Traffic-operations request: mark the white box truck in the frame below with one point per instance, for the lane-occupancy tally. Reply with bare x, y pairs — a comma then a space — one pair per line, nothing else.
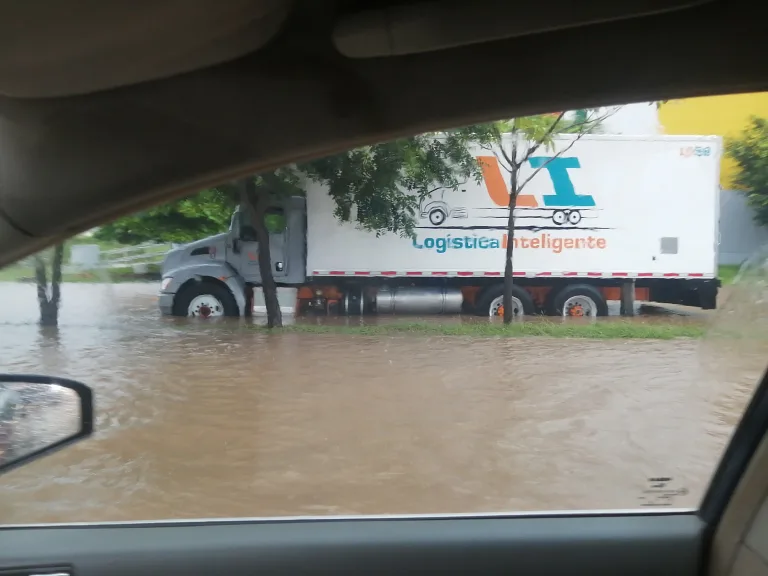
609, 210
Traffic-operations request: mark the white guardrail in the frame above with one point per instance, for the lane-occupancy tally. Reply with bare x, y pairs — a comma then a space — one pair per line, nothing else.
139, 257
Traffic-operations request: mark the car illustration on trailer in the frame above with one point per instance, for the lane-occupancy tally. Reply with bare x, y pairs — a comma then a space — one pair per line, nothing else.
438, 212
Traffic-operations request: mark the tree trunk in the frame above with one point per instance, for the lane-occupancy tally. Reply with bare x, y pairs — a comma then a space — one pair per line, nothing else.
49, 305
58, 260
258, 202
508, 265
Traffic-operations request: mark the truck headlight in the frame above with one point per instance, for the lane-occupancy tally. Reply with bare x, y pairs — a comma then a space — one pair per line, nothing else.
166, 282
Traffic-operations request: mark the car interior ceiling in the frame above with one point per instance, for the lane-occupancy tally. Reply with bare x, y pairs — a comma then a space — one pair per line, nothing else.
108, 108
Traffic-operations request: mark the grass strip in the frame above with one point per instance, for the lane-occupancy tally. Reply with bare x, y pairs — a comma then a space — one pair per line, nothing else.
598, 330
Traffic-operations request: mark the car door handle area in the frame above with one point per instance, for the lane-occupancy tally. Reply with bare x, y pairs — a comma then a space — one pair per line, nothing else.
633, 545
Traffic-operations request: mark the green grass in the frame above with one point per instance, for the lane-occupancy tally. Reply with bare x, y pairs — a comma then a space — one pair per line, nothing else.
622, 329
727, 273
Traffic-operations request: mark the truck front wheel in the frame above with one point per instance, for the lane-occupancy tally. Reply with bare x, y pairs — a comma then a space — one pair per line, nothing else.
205, 299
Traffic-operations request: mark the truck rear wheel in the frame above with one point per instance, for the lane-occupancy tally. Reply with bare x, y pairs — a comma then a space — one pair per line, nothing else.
205, 300
491, 301
578, 300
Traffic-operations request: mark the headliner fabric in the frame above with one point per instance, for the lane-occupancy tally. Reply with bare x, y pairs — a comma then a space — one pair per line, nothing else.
60, 48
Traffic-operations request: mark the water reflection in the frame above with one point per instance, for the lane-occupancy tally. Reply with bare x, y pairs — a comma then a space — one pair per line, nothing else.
201, 420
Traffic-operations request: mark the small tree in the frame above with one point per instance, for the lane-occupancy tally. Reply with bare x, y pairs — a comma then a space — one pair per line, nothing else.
750, 151
527, 136
49, 297
257, 194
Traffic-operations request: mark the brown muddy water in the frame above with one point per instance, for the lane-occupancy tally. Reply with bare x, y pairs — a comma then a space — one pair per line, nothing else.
197, 421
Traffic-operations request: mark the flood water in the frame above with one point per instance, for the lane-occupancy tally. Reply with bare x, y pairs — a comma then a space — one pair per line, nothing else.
200, 421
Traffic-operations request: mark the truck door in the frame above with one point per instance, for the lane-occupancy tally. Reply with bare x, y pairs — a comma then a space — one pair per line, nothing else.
248, 247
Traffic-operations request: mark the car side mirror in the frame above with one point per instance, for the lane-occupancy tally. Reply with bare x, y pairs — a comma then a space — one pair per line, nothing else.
40, 415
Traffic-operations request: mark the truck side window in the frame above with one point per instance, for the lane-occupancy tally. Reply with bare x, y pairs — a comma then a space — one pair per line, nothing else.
241, 227
247, 233
275, 220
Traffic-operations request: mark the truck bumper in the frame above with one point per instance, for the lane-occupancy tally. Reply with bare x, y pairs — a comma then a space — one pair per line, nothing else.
165, 303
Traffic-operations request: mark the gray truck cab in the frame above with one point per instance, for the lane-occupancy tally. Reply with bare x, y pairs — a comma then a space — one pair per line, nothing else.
215, 276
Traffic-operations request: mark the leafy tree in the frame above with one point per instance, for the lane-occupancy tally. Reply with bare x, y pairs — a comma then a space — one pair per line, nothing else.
49, 297
750, 151
185, 220
257, 195
528, 136
381, 187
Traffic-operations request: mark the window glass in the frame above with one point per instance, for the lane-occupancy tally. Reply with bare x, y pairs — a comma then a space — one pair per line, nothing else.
275, 220
395, 386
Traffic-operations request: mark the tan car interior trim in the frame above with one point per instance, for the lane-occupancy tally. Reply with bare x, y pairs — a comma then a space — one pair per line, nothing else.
429, 26
745, 518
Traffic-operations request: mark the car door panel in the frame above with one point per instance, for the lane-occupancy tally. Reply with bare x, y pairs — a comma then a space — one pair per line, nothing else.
249, 258
736, 504
635, 544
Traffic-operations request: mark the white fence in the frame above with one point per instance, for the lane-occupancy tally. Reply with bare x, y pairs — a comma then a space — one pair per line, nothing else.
140, 257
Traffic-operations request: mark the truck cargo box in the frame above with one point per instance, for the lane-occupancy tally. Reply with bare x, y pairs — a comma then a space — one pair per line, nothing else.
610, 206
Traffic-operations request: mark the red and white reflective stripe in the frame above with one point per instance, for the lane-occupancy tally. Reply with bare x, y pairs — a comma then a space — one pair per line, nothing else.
542, 274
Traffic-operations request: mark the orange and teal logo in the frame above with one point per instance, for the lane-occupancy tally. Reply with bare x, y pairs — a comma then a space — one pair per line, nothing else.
482, 227
564, 196
691, 151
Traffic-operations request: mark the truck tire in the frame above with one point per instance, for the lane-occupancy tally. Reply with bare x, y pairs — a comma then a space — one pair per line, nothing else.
490, 299
577, 300
206, 299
